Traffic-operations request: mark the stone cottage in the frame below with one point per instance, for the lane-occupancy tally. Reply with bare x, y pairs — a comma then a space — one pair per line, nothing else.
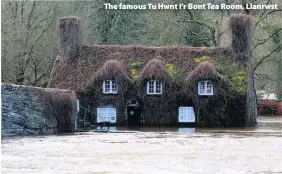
159, 86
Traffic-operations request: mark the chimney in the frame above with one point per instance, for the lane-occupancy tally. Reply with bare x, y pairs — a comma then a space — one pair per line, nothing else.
70, 36
241, 36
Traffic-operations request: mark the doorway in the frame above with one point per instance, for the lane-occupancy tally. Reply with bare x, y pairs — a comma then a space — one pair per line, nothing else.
134, 116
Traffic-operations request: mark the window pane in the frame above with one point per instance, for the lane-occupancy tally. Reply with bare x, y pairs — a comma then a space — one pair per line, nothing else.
102, 115
107, 86
154, 87
158, 90
112, 115
114, 86
158, 83
110, 86
209, 87
106, 114
202, 88
186, 114
151, 87
158, 87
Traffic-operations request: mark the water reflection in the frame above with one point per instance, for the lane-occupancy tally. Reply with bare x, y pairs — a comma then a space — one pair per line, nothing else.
111, 128
186, 130
265, 124
147, 129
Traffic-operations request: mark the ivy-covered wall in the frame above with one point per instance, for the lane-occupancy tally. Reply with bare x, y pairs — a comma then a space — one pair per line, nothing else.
26, 110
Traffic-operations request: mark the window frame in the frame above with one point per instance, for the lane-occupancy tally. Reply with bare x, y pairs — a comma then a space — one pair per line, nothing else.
100, 117
111, 83
154, 87
203, 91
186, 110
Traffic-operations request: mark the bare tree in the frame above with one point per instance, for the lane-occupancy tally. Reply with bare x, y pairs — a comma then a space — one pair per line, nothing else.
24, 24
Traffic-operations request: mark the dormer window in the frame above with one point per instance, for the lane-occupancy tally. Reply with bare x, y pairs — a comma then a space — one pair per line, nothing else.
205, 88
110, 87
154, 87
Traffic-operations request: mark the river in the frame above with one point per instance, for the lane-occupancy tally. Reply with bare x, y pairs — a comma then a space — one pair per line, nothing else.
150, 150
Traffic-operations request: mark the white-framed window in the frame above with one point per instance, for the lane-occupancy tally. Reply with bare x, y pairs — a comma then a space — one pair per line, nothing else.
186, 115
154, 87
205, 87
106, 115
110, 87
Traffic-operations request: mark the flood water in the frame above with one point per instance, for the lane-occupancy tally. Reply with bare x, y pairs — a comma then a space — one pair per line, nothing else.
150, 150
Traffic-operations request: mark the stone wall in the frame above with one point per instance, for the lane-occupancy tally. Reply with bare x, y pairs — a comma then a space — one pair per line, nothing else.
25, 110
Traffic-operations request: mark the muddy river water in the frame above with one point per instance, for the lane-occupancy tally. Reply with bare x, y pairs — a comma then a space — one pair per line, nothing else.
167, 150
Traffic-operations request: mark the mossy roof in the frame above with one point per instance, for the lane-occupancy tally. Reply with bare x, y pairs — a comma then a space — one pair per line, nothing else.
76, 73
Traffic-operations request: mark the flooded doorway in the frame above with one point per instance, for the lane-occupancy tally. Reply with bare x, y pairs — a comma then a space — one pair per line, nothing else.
134, 113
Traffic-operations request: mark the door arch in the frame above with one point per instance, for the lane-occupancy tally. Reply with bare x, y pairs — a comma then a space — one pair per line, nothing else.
134, 113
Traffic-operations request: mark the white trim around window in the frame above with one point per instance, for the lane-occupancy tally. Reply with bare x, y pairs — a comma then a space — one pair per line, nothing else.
110, 87
106, 115
154, 87
205, 87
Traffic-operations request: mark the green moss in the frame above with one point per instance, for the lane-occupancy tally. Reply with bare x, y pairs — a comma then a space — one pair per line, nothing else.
237, 76
135, 68
115, 55
134, 73
220, 69
136, 65
171, 69
234, 64
202, 59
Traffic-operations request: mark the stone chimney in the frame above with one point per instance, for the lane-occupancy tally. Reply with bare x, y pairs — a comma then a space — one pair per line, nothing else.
70, 36
241, 29
241, 36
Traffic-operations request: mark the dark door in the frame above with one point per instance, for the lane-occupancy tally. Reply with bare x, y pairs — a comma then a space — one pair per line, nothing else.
134, 115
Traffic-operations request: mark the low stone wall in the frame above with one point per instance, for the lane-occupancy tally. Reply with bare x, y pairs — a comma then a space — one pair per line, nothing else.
25, 110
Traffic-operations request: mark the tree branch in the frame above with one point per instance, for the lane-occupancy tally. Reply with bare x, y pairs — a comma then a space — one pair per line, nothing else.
31, 14
265, 57
211, 29
263, 17
265, 40
38, 38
